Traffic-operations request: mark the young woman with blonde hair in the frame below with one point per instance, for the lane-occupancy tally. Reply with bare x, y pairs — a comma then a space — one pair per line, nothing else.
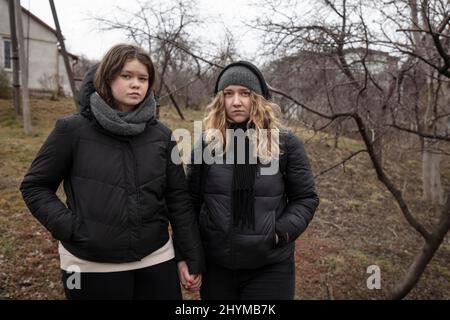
249, 215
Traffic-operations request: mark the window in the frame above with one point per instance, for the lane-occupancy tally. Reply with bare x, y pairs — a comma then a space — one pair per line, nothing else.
7, 54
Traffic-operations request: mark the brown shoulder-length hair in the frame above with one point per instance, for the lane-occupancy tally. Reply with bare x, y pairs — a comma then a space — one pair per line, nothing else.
113, 63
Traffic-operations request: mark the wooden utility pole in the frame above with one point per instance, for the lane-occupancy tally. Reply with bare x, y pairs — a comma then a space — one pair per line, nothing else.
64, 53
24, 70
15, 57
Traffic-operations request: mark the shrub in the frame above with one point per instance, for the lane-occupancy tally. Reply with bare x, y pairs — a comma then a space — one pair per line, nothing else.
5, 86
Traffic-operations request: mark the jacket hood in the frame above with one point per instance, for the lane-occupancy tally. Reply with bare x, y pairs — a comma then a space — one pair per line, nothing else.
87, 88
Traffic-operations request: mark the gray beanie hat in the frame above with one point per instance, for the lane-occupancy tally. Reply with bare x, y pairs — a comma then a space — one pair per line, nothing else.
242, 76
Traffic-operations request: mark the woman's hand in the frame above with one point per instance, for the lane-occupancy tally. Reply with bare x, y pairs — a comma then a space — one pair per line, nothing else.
190, 282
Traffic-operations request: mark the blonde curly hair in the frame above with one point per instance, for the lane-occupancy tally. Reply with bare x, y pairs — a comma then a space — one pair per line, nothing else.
264, 118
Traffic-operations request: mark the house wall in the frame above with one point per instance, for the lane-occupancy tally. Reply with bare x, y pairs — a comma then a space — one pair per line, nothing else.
46, 67
63, 77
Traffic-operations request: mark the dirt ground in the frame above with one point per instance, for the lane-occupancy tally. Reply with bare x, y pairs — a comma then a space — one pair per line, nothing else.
357, 225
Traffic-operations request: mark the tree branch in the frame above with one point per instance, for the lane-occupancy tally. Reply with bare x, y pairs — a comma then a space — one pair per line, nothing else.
340, 163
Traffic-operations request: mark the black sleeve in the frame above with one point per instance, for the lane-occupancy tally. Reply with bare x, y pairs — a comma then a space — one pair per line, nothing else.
194, 179
186, 234
300, 191
39, 186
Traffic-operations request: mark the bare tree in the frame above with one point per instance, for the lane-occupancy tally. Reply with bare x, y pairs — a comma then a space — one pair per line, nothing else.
423, 35
164, 30
340, 39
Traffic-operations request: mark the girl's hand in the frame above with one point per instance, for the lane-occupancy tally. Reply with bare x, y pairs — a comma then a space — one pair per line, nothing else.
190, 282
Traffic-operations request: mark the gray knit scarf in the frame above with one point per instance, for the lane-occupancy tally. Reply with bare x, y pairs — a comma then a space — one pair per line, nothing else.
123, 123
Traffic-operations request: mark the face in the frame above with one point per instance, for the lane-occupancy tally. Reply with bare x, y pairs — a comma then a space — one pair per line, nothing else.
237, 103
130, 86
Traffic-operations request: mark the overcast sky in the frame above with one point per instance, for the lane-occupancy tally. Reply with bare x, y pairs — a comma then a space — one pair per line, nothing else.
82, 37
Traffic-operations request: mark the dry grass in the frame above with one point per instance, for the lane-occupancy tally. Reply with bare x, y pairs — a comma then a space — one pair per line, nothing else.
357, 224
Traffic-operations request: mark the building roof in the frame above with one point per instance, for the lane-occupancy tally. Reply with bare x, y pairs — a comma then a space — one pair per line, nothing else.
46, 26
42, 23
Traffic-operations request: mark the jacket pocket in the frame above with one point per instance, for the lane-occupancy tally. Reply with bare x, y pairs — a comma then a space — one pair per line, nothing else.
252, 251
79, 234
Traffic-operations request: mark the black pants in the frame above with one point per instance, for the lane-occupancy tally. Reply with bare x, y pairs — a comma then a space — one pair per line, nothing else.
158, 282
272, 282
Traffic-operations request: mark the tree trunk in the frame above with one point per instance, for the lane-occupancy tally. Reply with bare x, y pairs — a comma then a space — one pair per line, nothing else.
337, 134
24, 70
15, 56
424, 257
377, 140
172, 98
431, 157
431, 173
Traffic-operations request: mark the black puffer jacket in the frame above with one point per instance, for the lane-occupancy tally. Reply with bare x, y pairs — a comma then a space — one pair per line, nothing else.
121, 191
284, 204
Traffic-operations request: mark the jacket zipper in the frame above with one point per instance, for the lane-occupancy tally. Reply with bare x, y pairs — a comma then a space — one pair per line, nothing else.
135, 186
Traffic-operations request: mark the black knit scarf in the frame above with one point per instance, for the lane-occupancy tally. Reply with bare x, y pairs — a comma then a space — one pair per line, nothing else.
243, 198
